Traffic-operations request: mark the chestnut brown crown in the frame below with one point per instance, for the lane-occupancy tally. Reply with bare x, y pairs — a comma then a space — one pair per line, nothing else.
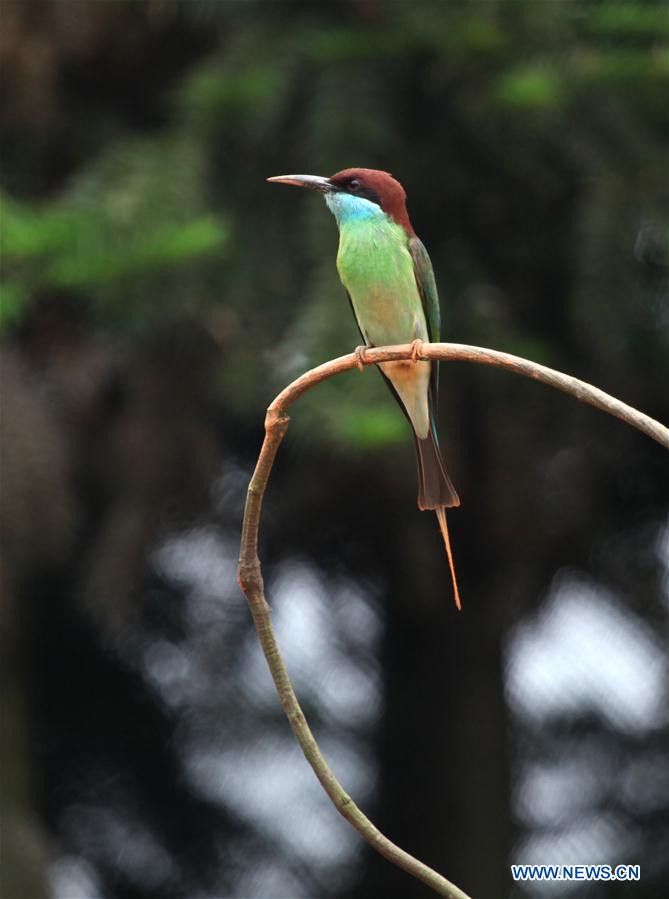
378, 187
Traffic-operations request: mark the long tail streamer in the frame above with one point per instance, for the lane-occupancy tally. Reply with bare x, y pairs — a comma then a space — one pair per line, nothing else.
441, 517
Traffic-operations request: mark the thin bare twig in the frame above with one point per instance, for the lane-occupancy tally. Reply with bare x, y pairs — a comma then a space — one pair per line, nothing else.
250, 575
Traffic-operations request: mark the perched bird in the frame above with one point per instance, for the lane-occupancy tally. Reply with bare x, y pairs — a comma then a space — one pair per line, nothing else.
388, 277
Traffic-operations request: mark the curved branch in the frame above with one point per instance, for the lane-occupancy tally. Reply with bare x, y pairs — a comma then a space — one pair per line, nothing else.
460, 352
250, 575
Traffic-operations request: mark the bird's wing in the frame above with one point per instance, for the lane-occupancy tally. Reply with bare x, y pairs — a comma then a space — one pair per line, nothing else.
427, 288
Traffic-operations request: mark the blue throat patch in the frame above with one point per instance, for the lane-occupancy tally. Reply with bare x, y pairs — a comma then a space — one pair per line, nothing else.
347, 208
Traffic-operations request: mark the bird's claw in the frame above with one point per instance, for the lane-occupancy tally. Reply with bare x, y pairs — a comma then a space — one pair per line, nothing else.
416, 350
360, 354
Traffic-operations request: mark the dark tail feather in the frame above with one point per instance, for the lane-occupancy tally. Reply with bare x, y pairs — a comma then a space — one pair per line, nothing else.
436, 491
434, 485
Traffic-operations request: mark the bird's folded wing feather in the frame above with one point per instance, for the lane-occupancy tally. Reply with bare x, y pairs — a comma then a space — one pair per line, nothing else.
427, 288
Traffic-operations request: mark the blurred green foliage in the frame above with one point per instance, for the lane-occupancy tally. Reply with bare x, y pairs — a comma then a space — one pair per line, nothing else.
529, 137
117, 233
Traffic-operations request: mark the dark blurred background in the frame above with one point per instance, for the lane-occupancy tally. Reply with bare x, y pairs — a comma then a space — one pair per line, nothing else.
157, 294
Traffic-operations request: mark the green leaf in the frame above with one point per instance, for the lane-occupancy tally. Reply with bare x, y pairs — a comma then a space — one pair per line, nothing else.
532, 87
13, 298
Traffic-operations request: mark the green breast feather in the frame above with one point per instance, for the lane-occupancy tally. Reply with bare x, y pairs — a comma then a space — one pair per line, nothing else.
377, 269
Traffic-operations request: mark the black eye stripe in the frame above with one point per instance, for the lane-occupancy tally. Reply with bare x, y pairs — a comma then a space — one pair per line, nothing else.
369, 194
356, 187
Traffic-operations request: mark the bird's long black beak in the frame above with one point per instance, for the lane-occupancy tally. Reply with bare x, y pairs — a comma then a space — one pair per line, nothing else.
313, 182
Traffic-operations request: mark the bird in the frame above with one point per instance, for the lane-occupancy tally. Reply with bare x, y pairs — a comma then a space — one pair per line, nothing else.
388, 277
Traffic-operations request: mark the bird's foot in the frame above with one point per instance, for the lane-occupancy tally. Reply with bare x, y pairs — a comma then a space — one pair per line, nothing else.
360, 356
416, 350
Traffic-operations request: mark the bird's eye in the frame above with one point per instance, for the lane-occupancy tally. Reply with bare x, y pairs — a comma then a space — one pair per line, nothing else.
354, 184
